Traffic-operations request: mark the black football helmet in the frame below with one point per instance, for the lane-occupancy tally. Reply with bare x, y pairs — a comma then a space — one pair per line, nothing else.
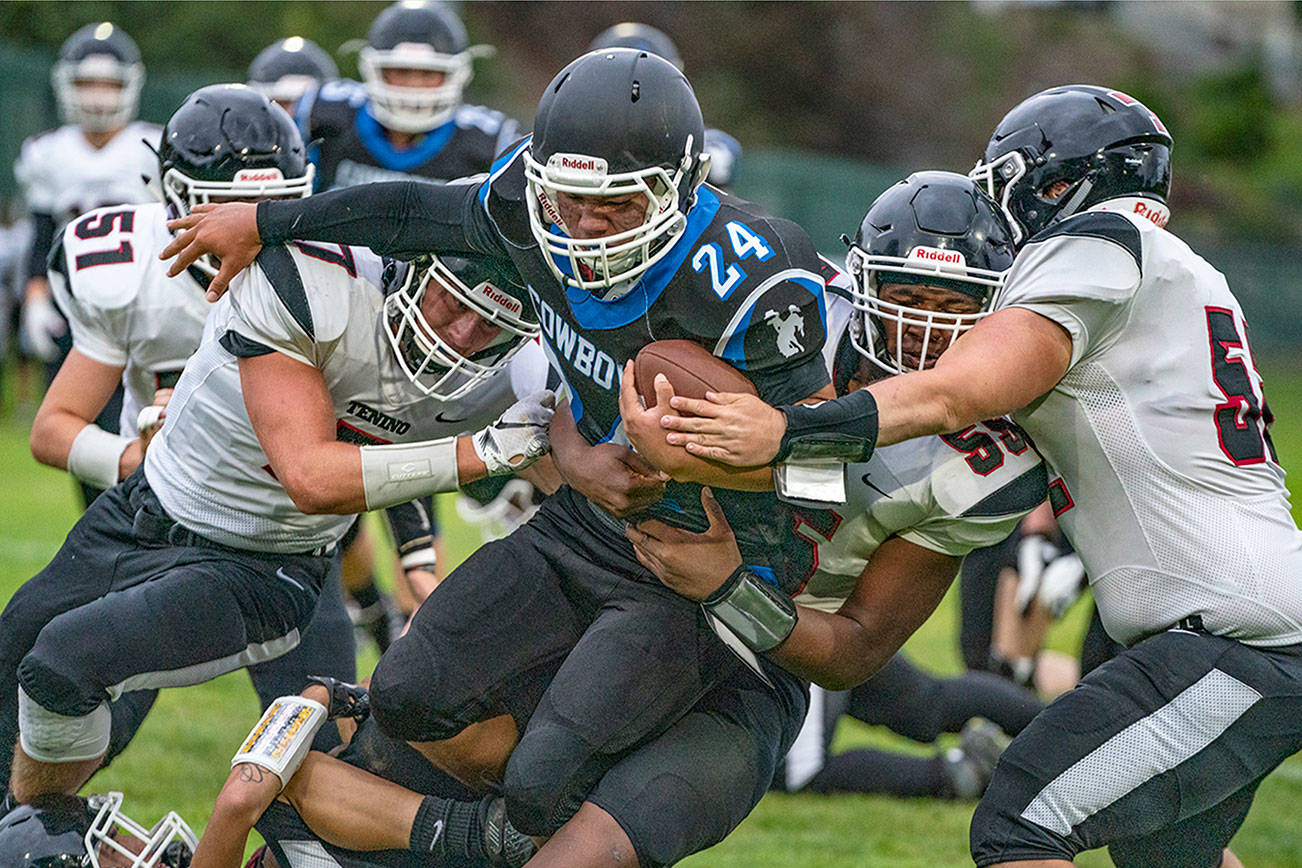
614, 122
416, 34
642, 37
99, 52
284, 70
72, 832
229, 141
488, 287
935, 229
1104, 144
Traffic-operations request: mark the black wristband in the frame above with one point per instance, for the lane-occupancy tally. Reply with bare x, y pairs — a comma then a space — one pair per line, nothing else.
843, 429
759, 614
346, 700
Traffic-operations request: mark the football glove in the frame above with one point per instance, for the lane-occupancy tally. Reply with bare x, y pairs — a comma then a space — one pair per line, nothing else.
519, 437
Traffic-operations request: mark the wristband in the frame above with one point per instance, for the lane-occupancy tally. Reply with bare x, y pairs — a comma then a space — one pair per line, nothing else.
94, 456
279, 742
761, 615
405, 471
346, 700
422, 558
843, 429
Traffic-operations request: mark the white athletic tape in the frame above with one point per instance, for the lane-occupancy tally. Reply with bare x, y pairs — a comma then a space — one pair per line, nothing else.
281, 739
149, 417
57, 738
94, 456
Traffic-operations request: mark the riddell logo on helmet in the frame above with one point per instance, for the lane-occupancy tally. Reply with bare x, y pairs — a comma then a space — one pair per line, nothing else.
935, 254
496, 298
253, 176
577, 163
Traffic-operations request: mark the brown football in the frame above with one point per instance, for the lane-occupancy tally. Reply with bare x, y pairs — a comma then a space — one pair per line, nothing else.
691, 370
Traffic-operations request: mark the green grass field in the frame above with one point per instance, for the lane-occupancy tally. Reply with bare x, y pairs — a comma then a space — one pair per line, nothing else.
181, 756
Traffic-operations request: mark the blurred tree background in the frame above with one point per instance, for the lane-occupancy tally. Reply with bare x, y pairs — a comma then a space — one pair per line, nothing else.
830, 100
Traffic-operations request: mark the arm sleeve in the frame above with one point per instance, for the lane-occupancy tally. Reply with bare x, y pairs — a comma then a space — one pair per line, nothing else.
42, 241
404, 219
1084, 284
413, 524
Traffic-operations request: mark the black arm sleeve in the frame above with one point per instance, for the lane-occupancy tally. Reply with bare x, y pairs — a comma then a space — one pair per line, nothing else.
414, 525
403, 219
42, 241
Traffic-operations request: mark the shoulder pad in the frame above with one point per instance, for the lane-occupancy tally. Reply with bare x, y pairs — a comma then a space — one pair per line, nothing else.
987, 470
1105, 225
315, 281
487, 120
341, 90
107, 253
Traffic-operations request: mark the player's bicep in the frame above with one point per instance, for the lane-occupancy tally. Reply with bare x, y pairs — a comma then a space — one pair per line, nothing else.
289, 406
82, 387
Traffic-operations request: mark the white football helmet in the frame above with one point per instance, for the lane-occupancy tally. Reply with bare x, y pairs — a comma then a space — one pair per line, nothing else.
98, 53
429, 360
113, 831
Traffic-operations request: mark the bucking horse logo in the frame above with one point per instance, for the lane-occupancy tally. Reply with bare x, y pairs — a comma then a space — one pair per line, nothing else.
790, 326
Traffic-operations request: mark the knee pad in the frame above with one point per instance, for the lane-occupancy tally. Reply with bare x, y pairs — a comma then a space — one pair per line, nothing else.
56, 738
542, 787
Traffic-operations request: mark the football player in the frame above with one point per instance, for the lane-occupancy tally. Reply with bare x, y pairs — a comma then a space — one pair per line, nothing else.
925, 265
615, 684
288, 68
133, 324
1136, 379
101, 156
91, 831
406, 118
723, 149
298, 411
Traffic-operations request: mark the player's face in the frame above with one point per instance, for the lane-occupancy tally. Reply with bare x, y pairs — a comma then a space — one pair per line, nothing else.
599, 216
461, 327
912, 338
426, 78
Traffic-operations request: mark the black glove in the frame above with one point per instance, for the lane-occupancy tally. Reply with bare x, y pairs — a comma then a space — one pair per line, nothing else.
346, 700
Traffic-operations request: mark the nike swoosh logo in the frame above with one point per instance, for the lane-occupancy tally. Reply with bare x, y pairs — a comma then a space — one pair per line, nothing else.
868, 482
514, 425
438, 417
281, 574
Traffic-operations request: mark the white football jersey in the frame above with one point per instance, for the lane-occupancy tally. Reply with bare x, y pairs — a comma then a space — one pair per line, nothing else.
61, 174
321, 305
1168, 485
949, 494
121, 306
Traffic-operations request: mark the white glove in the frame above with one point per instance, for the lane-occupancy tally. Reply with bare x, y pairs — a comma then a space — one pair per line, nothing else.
1034, 552
39, 324
1061, 584
519, 437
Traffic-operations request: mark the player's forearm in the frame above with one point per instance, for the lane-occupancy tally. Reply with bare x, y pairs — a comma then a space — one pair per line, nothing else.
55, 430
835, 651
685, 467
400, 218
330, 478
248, 792
351, 808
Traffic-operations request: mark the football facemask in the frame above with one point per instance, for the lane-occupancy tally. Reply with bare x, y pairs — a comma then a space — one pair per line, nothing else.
431, 362
169, 843
250, 185
875, 318
99, 92
607, 266
416, 109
